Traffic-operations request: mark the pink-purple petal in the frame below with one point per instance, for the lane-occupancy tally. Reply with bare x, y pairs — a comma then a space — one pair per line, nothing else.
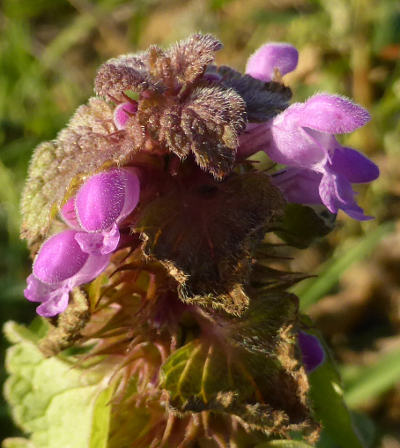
36, 290
270, 57
59, 258
55, 304
100, 243
336, 193
95, 265
299, 185
68, 214
333, 114
132, 192
123, 112
293, 145
106, 198
312, 351
256, 137
353, 165
54, 298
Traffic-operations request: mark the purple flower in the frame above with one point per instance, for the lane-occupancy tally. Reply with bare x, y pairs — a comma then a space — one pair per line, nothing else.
270, 58
60, 266
123, 112
77, 256
320, 170
298, 185
312, 351
302, 134
102, 202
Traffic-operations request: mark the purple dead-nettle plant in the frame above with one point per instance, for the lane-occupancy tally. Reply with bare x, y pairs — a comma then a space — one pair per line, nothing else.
151, 232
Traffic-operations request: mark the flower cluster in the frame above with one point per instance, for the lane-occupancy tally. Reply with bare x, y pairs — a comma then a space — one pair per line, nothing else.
81, 253
319, 169
193, 310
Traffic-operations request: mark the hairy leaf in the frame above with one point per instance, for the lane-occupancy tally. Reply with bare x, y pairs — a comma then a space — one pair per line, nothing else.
301, 225
204, 233
57, 404
84, 147
206, 123
190, 57
257, 379
37, 198
124, 73
266, 323
211, 120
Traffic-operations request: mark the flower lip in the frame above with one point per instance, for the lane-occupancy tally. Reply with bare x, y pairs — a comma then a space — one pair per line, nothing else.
54, 297
99, 243
353, 165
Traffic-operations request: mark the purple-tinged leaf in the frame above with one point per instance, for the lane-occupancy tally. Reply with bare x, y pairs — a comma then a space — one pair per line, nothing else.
263, 100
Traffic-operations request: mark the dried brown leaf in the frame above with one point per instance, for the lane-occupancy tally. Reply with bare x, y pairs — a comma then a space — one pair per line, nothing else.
204, 233
190, 57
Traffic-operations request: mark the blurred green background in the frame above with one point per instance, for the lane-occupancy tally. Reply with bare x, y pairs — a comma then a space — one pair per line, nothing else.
49, 53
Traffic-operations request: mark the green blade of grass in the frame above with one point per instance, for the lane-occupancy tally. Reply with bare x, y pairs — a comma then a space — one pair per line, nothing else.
374, 380
314, 289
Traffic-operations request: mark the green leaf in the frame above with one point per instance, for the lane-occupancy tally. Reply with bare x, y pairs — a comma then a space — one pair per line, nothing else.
327, 397
205, 376
310, 291
17, 442
196, 373
55, 402
246, 367
365, 428
301, 225
284, 444
374, 380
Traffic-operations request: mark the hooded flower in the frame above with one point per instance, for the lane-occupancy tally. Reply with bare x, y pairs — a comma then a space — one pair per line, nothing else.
312, 351
60, 266
302, 138
272, 58
122, 113
320, 170
77, 256
101, 204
